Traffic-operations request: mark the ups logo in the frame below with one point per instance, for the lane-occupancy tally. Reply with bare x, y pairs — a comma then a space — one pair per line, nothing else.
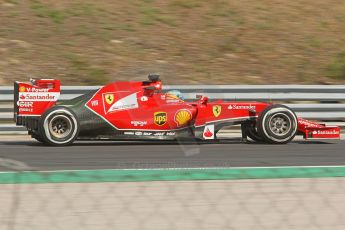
160, 118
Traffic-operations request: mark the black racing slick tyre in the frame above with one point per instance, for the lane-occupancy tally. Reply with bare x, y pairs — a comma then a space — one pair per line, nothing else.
253, 134
277, 124
38, 138
59, 126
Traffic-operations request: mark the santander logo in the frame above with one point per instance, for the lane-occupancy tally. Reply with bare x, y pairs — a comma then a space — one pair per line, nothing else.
326, 132
51, 96
208, 133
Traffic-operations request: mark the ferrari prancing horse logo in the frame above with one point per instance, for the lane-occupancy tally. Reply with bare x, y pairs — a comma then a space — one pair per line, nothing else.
217, 109
109, 98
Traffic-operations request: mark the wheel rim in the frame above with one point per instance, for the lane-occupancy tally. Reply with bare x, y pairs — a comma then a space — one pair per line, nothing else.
60, 126
280, 124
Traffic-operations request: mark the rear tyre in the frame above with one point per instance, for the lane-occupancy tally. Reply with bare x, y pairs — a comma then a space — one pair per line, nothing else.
59, 126
277, 124
38, 138
253, 133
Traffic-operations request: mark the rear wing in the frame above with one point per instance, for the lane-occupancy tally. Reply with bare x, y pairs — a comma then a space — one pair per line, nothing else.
32, 99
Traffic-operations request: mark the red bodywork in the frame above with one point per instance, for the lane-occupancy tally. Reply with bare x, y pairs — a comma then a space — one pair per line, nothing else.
144, 105
34, 98
313, 130
138, 107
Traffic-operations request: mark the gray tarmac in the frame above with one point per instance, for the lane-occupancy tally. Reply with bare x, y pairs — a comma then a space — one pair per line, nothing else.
83, 155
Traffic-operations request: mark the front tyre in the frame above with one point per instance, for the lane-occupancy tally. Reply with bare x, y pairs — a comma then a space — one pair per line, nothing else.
277, 124
59, 126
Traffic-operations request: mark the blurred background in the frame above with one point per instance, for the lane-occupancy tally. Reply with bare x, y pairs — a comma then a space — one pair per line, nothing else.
186, 41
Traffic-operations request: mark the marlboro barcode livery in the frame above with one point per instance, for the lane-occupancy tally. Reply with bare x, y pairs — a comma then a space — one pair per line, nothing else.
141, 110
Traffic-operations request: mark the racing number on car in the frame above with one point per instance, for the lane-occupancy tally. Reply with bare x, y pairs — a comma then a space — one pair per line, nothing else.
160, 118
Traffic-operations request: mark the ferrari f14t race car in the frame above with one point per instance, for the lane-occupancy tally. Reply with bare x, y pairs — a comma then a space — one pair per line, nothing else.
141, 110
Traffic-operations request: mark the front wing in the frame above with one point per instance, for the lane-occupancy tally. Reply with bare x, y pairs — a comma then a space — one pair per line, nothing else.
313, 130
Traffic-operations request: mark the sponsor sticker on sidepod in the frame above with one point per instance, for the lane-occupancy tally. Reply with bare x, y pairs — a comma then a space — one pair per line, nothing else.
208, 133
142, 133
139, 123
128, 102
160, 118
237, 107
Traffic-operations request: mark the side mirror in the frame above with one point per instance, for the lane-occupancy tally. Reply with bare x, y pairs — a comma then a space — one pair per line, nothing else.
202, 99
151, 88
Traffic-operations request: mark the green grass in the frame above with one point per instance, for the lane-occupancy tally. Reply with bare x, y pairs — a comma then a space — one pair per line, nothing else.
83, 30
149, 15
83, 9
166, 19
274, 39
264, 26
16, 2
336, 69
60, 15
81, 67
188, 4
229, 44
42, 10
152, 15
314, 42
125, 27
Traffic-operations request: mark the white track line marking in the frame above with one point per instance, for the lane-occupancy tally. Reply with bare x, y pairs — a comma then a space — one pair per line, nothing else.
205, 168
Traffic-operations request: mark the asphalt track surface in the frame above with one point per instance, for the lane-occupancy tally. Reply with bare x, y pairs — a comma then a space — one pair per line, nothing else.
232, 152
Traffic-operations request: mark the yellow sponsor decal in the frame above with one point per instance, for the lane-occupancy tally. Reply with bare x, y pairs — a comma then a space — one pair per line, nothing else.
160, 118
182, 117
217, 110
22, 89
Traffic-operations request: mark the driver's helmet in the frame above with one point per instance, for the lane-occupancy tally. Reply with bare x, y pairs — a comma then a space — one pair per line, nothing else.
174, 94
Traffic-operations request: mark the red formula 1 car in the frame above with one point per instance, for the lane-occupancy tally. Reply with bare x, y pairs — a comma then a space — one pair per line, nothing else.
140, 110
